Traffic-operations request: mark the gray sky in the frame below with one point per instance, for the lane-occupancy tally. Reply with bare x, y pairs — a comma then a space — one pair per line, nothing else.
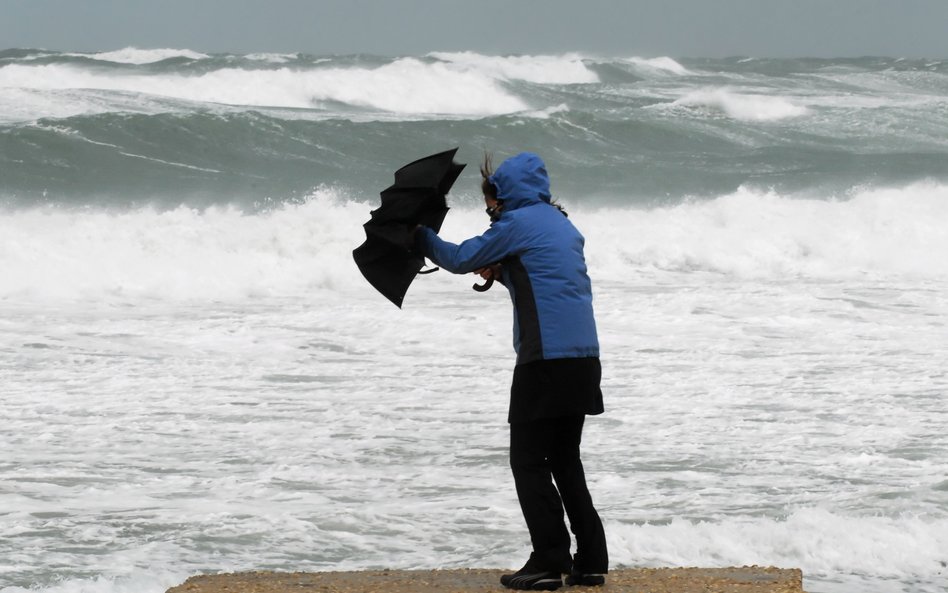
676, 28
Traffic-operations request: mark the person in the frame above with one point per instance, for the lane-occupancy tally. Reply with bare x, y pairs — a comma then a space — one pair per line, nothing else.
533, 249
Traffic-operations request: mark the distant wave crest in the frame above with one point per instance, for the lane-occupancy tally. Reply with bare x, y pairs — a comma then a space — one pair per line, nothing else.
565, 69
743, 106
407, 86
134, 55
662, 64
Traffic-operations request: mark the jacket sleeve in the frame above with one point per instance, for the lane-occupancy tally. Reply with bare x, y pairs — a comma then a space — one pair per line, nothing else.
475, 253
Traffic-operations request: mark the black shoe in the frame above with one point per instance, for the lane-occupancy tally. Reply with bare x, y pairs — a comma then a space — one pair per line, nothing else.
529, 579
585, 580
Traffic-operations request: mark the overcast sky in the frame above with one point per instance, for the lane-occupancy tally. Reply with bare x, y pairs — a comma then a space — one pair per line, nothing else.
676, 28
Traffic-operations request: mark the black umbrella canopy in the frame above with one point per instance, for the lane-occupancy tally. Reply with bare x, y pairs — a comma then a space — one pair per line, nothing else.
386, 258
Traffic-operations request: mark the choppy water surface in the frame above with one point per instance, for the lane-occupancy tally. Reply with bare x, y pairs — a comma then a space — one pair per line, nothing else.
173, 126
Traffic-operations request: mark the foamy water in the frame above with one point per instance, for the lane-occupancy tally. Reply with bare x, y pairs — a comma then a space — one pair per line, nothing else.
224, 253
191, 391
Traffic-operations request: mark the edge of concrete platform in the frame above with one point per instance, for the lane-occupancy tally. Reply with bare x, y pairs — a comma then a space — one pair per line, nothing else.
744, 579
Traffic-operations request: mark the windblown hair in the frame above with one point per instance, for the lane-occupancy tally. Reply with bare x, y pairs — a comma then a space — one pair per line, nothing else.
490, 190
559, 207
487, 169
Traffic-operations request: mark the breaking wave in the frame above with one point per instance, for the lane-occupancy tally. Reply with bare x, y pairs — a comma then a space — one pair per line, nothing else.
133, 55
565, 69
663, 64
743, 106
407, 86
223, 253
760, 234
824, 544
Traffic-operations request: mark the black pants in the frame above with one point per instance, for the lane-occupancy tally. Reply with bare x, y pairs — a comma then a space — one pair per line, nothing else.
542, 451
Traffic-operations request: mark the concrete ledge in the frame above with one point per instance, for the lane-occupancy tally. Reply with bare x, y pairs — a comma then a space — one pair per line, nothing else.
747, 579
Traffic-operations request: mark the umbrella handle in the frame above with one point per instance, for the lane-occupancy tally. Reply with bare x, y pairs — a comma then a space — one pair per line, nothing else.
485, 286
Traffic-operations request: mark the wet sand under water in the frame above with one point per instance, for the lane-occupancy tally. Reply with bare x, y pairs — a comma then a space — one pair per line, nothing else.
748, 579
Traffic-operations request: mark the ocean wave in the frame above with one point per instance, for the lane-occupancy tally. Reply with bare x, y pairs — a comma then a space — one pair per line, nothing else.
564, 69
406, 86
181, 254
134, 55
276, 58
761, 234
19, 105
836, 552
663, 65
277, 128
548, 112
827, 546
223, 253
743, 106
131, 580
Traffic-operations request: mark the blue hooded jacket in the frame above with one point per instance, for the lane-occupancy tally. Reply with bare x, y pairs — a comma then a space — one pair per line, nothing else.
543, 266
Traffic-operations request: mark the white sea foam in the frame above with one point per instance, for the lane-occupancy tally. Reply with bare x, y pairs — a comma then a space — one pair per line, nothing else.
743, 106
133, 581
320, 433
222, 253
179, 254
824, 544
563, 69
405, 86
206, 390
837, 553
19, 104
884, 231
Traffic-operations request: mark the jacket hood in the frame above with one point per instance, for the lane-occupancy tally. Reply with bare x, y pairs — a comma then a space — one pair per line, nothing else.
521, 180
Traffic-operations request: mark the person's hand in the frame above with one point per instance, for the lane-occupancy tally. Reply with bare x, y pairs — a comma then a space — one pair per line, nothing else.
489, 272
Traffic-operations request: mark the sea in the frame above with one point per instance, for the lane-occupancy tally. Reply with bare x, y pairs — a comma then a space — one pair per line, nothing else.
195, 377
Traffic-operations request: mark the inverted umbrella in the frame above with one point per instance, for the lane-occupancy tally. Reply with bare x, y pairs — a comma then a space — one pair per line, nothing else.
387, 258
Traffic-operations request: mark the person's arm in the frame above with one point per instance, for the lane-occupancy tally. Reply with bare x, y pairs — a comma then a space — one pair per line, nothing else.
475, 253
